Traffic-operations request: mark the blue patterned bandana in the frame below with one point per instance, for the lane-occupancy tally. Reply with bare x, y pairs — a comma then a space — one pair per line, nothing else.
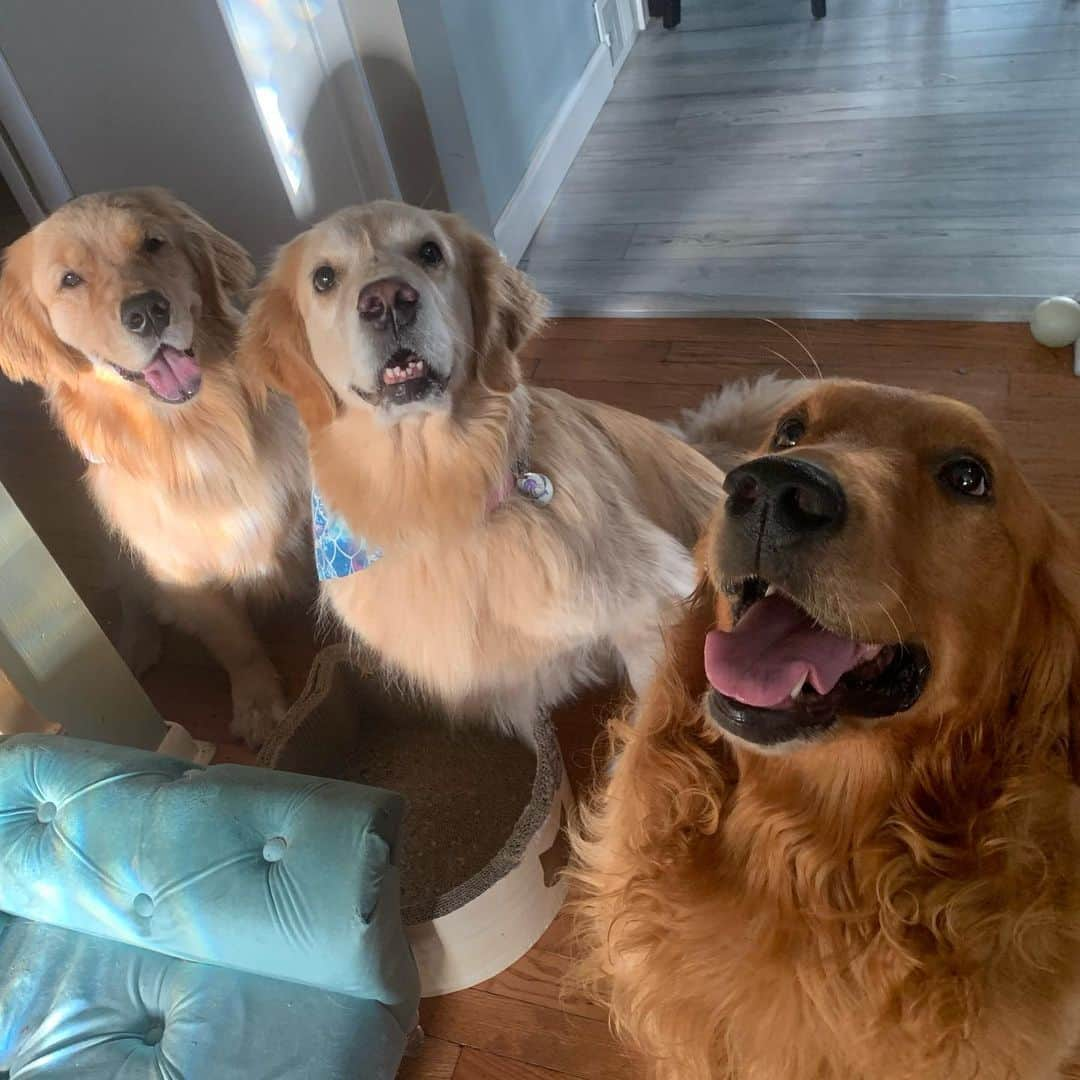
337, 552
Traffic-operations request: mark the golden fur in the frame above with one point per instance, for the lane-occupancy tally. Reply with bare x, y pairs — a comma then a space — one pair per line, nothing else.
900, 899
210, 495
497, 607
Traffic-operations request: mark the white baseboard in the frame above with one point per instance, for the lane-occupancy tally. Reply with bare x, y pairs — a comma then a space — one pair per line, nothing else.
553, 157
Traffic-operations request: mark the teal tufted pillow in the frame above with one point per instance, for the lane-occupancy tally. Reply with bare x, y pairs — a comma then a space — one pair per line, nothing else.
265, 872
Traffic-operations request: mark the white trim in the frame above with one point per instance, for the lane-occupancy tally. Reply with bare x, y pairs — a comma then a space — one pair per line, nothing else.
641, 10
553, 157
27, 165
179, 743
630, 23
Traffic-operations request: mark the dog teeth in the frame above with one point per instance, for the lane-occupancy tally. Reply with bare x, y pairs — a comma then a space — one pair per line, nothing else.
770, 590
403, 372
798, 688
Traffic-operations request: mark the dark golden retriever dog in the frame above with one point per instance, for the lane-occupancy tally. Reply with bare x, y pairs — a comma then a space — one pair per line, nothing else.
120, 306
840, 842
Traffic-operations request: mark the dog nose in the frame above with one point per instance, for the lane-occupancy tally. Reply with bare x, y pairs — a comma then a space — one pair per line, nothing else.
796, 499
145, 314
386, 301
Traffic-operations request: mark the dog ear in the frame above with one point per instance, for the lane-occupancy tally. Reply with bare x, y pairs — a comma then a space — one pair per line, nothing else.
30, 351
225, 269
506, 309
231, 265
274, 344
1049, 689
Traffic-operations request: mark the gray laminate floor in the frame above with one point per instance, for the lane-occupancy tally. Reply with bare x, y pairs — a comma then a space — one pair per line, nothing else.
899, 158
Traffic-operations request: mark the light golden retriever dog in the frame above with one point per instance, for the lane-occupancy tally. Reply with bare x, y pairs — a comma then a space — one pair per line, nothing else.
119, 307
396, 331
840, 841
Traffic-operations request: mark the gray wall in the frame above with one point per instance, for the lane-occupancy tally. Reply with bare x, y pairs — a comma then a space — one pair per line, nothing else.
516, 61
134, 92
379, 39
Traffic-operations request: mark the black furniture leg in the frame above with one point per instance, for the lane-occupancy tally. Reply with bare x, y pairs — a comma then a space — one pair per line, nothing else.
668, 10
817, 8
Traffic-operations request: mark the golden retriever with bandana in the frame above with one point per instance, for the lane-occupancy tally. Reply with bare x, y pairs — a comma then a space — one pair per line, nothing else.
513, 537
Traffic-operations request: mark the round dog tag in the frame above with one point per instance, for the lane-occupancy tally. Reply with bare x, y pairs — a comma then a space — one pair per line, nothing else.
536, 487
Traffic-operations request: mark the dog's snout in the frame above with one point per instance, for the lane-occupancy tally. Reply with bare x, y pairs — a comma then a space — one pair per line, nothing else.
795, 498
390, 300
146, 314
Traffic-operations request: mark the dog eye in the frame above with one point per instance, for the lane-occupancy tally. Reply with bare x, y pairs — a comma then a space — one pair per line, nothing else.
430, 253
70, 280
967, 477
789, 433
152, 244
324, 278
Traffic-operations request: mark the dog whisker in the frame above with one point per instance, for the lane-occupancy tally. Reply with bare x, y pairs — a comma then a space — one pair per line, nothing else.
785, 330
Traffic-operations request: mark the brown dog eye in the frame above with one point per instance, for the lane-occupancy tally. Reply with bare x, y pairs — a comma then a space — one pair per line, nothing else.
967, 477
70, 280
789, 433
152, 244
430, 253
324, 278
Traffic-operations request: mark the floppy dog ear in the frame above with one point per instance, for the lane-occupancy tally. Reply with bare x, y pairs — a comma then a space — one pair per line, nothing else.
274, 344
29, 349
506, 310
223, 266
230, 264
1050, 629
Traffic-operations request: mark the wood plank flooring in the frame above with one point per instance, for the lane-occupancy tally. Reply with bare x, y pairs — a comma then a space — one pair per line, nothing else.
899, 158
520, 1025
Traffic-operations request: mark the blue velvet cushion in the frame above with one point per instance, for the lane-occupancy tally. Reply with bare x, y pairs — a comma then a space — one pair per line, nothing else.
276, 874
74, 1007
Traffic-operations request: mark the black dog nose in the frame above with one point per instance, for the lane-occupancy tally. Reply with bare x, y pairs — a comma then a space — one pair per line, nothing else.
386, 301
145, 314
796, 499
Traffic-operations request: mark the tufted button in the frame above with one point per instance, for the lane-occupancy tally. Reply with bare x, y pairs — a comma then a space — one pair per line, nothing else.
143, 905
154, 1034
274, 849
46, 812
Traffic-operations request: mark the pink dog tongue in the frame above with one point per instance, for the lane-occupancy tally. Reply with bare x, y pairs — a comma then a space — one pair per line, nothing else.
173, 375
773, 649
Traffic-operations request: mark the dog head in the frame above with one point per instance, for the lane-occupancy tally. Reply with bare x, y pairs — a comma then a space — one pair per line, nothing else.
389, 308
883, 557
117, 285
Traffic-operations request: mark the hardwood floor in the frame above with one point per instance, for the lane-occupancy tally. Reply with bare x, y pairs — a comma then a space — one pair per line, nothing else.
519, 1026
899, 158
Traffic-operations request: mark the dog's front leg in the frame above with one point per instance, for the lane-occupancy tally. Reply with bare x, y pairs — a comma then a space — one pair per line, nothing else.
217, 617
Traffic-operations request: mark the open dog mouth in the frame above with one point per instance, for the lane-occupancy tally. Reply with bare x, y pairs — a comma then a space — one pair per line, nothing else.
405, 377
173, 375
779, 676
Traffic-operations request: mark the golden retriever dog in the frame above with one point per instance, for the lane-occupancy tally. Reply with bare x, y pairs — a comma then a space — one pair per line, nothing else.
840, 840
510, 537
119, 307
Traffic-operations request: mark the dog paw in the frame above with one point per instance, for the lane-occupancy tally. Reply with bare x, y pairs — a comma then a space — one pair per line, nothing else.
258, 705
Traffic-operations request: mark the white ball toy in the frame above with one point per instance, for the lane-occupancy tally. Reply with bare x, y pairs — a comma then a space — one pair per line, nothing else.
1056, 323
